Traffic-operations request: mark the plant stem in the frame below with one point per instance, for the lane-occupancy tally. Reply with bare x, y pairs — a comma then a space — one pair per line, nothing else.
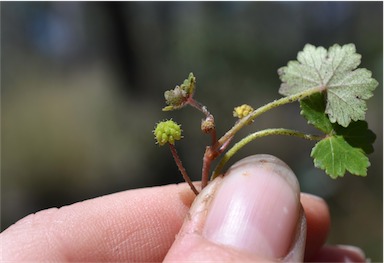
256, 135
181, 168
209, 156
217, 148
194, 103
197, 105
207, 160
246, 120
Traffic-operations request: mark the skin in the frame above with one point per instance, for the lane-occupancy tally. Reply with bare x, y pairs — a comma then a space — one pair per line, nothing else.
140, 225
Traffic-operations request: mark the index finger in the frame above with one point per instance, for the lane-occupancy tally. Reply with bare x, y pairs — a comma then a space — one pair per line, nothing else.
135, 225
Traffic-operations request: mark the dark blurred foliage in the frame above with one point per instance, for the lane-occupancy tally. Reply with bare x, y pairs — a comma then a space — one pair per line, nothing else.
82, 87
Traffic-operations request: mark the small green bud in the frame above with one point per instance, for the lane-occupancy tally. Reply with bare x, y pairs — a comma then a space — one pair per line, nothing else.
242, 111
168, 108
167, 132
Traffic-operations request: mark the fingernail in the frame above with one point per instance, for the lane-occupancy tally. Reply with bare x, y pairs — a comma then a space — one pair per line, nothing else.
256, 208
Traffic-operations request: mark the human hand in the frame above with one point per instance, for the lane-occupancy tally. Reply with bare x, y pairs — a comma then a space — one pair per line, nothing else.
254, 213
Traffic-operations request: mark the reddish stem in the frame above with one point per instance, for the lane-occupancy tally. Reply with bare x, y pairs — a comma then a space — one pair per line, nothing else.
197, 105
181, 168
194, 103
207, 160
211, 153
213, 136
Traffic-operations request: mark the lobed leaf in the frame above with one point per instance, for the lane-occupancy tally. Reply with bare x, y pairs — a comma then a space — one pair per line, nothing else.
334, 71
347, 95
357, 135
313, 109
336, 156
344, 148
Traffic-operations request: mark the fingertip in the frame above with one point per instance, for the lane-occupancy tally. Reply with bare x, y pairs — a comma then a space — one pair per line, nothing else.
318, 222
339, 253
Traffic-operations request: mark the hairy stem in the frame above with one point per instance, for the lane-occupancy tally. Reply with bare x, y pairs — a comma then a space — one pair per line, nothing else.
181, 168
256, 135
246, 120
194, 103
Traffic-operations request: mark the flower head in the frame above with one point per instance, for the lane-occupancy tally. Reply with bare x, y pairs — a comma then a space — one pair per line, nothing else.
167, 132
177, 97
242, 111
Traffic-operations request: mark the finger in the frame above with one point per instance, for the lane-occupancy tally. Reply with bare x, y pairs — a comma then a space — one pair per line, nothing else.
339, 254
136, 225
318, 223
91, 230
252, 213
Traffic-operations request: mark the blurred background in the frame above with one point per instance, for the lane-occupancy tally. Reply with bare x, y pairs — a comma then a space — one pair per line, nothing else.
82, 87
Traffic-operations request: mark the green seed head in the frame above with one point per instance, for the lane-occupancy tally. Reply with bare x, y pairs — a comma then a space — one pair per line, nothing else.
167, 132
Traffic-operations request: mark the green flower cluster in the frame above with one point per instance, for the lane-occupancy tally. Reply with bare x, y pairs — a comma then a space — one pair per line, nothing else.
177, 97
167, 132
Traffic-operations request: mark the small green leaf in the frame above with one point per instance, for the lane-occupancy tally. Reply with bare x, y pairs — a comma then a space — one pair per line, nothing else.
313, 109
334, 155
335, 72
345, 147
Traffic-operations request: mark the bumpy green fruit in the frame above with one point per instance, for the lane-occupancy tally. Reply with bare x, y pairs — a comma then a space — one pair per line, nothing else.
167, 132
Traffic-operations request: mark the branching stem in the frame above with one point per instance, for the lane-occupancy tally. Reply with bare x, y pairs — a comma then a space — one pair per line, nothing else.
217, 148
246, 120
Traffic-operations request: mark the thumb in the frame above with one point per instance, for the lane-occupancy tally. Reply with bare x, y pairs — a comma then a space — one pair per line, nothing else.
252, 213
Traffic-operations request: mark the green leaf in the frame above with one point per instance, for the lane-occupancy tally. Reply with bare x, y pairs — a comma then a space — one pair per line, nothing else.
313, 109
357, 135
334, 155
335, 72
345, 147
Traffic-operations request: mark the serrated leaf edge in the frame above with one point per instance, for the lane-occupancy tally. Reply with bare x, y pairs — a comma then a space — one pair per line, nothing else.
320, 165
